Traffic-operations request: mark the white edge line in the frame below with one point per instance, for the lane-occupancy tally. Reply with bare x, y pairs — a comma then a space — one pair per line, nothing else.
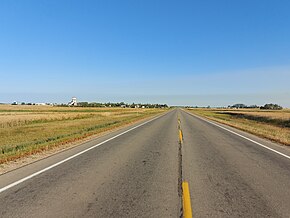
244, 137
73, 156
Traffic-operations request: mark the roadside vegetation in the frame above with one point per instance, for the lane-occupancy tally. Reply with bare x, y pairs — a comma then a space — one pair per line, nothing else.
270, 124
26, 130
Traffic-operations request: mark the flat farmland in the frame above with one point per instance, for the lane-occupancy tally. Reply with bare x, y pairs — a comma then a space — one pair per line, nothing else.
26, 130
269, 124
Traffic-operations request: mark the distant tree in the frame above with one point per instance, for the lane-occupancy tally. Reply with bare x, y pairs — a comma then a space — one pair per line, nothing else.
239, 106
133, 105
271, 107
83, 104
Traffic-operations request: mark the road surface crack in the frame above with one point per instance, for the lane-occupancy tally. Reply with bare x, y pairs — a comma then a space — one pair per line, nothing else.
180, 178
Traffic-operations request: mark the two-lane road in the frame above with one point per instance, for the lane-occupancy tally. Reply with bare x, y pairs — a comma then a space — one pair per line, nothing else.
137, 173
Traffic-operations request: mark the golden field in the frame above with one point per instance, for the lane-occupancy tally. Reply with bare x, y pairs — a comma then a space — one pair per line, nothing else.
269, 124
26, 130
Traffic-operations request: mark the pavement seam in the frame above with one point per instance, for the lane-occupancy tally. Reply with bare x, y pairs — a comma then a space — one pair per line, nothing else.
180, 177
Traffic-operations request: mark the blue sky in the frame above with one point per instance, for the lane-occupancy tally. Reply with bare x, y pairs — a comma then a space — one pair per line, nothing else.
204, 52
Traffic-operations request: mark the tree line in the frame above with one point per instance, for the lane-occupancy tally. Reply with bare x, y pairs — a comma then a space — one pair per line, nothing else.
265, 107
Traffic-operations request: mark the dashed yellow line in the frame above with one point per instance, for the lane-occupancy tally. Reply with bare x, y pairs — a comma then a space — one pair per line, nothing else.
187, 211
180, 131
180, 136
179, 122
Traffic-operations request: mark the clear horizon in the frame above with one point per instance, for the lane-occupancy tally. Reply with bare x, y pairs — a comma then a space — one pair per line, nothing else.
196, 53
248, 99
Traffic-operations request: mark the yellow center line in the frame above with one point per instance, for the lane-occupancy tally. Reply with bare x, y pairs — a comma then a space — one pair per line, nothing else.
187, 212
180, 136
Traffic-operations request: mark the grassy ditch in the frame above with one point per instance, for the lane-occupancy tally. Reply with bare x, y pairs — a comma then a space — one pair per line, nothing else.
272, 125
26, 130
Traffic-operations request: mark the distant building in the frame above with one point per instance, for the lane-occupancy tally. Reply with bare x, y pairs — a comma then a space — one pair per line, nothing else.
73, 102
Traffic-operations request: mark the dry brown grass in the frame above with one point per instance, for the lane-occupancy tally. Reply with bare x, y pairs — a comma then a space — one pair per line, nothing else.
273, 125
279, 114
26, 130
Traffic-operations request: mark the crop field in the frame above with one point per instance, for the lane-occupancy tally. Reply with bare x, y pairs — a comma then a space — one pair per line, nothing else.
273, 125
26, 130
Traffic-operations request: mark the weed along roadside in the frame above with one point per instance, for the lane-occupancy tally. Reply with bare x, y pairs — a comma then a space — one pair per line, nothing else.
37, 129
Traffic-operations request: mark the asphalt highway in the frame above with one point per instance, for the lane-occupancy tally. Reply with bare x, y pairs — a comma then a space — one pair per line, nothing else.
138, 172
